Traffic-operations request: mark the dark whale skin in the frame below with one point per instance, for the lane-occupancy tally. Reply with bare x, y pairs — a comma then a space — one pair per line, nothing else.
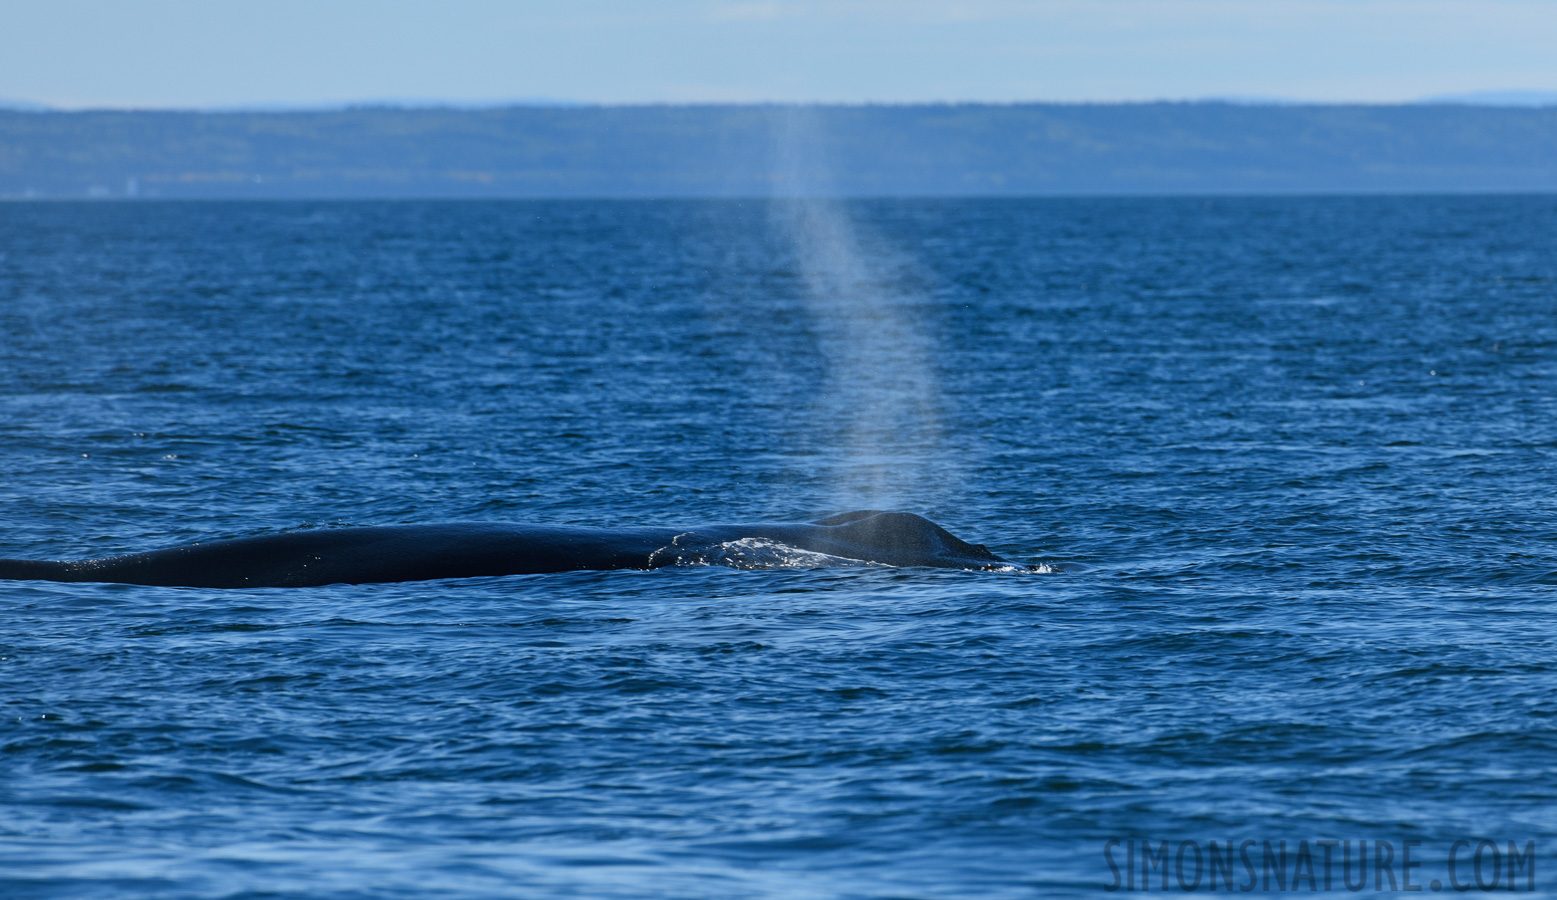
386, 553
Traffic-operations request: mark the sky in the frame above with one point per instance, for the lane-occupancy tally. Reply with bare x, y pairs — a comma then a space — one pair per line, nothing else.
205, 54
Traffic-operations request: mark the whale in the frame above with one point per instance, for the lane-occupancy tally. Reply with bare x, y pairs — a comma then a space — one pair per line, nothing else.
391, 553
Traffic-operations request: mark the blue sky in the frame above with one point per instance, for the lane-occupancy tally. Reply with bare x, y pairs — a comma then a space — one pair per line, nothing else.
223, 53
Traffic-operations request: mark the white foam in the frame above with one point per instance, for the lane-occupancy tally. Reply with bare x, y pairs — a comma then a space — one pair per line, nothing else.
765, 553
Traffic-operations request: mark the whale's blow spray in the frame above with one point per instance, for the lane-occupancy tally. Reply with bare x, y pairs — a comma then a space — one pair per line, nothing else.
881, 407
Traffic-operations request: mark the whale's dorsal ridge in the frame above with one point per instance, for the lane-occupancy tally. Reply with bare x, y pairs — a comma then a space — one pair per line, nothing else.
846, 518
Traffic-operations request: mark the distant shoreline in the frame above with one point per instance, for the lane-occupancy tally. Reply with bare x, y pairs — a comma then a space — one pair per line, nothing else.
1210, 148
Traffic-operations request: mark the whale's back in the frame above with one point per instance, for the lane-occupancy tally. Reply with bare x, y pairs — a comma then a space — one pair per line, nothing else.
462, 550
907, 539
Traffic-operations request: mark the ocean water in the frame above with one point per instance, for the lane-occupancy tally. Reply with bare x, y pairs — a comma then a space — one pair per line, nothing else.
1291, 459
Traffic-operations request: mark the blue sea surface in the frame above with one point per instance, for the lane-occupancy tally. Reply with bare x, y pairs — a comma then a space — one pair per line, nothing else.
1290, 460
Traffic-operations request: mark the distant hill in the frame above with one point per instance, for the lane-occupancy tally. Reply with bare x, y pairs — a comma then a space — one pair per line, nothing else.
23, 105
701, 151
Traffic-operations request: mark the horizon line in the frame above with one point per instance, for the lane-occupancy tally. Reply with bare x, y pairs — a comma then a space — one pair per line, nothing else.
1484, 99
